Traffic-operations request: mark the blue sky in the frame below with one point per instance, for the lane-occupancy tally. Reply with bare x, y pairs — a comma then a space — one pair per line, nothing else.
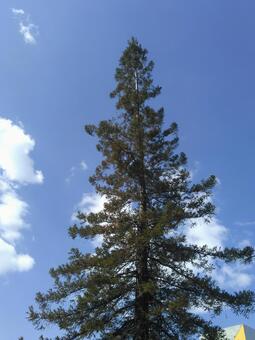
57, 63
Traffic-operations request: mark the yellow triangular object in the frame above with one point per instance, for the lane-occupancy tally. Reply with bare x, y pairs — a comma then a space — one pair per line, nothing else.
240, 334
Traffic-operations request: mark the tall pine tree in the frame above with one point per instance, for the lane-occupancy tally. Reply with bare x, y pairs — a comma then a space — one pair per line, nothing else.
145, 281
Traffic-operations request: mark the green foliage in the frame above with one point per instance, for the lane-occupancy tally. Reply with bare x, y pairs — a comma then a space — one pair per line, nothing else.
145, 281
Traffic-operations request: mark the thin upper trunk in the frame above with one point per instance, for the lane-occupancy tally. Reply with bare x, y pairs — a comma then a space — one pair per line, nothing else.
142, 298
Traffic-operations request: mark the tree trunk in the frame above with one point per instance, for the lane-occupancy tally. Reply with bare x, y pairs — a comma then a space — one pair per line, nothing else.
142, 297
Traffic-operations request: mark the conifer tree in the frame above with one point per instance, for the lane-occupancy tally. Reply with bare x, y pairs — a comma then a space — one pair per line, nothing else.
145, 281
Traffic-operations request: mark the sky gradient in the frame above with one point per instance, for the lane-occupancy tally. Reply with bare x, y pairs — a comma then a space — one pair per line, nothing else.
57, 65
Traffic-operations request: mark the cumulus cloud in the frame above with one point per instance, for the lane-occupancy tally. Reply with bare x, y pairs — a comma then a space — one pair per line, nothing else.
27, 29
212, 234
91, 203
215, 234
12, 213
16, 169
11, 261
15, 146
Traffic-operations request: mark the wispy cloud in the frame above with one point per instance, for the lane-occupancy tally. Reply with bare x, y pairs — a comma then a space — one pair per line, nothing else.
70, 174
245, 224
27, 29
194, 170
82, 166
16, 169
18, 11
29, 32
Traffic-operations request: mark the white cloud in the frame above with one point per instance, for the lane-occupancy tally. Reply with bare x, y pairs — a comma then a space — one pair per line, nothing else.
73, 170
11, 261
194, 170
15, 146
97, 241
84, 165
19, 11
233, 277
89, 203
212, 234
4, 185
215, 234
244, 243
245, 224
16, 169
71, 174
29, 32
94, 203
27, 29
12, 213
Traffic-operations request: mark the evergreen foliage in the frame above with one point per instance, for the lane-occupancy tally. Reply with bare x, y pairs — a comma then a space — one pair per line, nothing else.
145, 281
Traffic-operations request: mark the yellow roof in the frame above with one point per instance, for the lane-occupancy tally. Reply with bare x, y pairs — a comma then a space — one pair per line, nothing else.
240, 332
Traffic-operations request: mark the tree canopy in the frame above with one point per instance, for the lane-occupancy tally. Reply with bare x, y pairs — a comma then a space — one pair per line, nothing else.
145, 281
